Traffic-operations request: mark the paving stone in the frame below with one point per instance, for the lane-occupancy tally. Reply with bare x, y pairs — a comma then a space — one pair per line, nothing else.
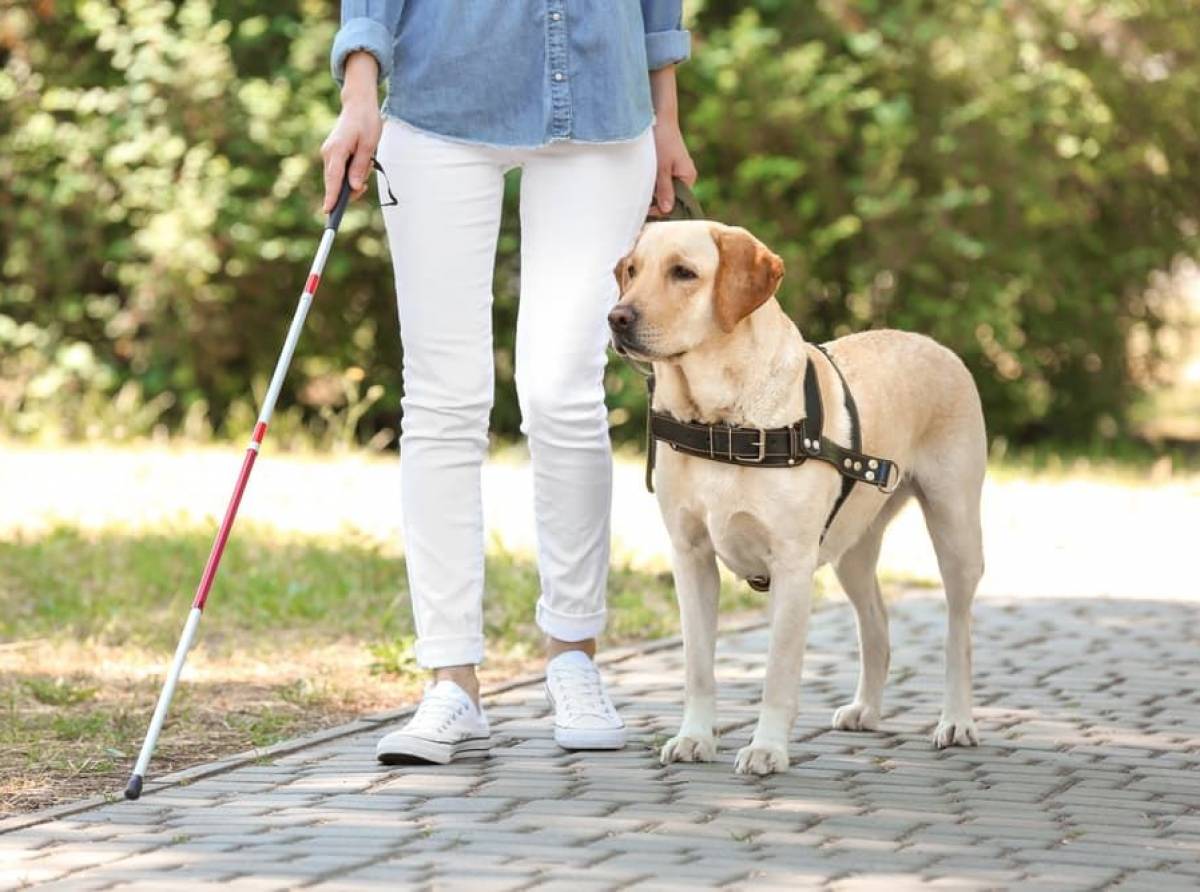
1153, 881
877, 882
75, 884
976, 878
575, 884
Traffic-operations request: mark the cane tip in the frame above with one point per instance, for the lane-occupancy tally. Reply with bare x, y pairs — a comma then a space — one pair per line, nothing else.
134, 789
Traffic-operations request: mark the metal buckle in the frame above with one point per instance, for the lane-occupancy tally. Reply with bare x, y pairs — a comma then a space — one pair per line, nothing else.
896, 475
762, 448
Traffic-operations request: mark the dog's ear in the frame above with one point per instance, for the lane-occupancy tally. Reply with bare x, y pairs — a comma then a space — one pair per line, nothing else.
748, 273
621, 272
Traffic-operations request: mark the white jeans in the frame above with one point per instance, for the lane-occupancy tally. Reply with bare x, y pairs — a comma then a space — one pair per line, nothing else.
581, 208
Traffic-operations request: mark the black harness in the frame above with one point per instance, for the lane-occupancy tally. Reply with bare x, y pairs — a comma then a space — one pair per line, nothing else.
776, 447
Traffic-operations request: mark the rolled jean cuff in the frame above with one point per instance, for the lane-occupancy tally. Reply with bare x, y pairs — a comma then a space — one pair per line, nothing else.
665, 48
437, 653
361, 33
570, 627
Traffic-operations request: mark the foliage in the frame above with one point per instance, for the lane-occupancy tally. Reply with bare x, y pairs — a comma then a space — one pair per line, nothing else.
1003, 176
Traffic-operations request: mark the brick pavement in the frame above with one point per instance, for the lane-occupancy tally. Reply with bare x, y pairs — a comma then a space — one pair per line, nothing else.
1087, 778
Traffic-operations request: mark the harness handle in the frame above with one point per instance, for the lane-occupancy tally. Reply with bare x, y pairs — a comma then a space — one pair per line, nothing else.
686, 206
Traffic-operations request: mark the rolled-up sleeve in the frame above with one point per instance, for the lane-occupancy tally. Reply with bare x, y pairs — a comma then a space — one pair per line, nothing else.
368, 25
667, 41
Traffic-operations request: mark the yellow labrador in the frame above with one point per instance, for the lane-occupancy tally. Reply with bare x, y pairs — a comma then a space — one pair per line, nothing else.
697, 301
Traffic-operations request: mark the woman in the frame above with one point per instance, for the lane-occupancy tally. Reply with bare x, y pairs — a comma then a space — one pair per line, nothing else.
581, 96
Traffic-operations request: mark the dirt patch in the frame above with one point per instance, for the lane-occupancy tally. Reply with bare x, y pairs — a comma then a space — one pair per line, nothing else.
73, 715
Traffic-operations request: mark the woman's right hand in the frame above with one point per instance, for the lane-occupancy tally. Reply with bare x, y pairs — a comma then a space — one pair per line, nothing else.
357, 131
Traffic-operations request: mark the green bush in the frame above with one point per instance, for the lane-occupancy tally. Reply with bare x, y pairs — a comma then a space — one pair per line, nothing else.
1004, 177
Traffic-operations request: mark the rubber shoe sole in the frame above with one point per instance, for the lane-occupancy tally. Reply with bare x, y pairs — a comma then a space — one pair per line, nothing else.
587, 738
407, 750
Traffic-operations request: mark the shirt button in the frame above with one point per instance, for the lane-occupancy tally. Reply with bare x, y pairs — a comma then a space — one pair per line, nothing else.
555, 16
558, 75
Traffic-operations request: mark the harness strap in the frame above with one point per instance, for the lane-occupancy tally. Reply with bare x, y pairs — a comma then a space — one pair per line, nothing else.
777, 447
855, 440
814, 408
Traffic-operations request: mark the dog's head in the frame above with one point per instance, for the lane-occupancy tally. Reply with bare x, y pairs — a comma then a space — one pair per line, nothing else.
686, 283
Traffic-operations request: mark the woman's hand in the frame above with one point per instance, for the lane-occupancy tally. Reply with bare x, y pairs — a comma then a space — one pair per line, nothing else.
673, 158
357, 131
673, 161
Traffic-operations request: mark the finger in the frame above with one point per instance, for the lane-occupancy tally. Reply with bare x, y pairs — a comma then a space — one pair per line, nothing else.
664, 191
335, 168
686, 171
359, 168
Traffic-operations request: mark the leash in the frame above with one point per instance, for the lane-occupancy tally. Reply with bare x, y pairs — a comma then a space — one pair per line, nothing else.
686, 207
779, 447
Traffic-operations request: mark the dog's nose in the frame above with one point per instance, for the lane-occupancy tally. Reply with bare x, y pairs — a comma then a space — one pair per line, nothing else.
622, 317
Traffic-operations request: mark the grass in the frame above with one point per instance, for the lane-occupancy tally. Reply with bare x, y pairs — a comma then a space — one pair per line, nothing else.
300, 632
1132, 461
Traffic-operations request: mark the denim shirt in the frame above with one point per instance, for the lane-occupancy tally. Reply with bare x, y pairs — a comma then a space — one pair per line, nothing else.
516, 72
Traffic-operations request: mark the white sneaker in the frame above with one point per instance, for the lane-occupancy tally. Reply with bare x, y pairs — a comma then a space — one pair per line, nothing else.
584, 717
446, 726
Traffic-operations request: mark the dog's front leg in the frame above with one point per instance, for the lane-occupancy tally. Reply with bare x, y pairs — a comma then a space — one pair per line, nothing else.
697, 585
791, 603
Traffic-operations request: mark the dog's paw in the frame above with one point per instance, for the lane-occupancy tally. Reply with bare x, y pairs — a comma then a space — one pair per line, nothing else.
760, 758
955, 732
856, 716
689, 748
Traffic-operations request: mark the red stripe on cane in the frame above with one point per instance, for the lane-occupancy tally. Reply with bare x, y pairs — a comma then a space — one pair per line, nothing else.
260, 431
214, 556
314, 280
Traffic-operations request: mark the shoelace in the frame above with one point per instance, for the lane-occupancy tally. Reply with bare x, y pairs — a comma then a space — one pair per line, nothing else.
583, 693
436, 712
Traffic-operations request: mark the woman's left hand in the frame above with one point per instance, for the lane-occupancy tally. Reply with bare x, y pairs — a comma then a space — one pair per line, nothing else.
673, 161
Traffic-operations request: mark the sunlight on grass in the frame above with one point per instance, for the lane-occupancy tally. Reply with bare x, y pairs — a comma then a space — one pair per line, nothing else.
122, 588
1134, 464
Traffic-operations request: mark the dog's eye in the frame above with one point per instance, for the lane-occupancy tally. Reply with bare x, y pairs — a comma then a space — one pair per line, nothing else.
683, 273
631, 270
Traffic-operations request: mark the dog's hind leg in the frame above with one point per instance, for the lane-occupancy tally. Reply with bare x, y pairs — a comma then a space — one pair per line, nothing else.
697, 585
856, 572
951, 508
